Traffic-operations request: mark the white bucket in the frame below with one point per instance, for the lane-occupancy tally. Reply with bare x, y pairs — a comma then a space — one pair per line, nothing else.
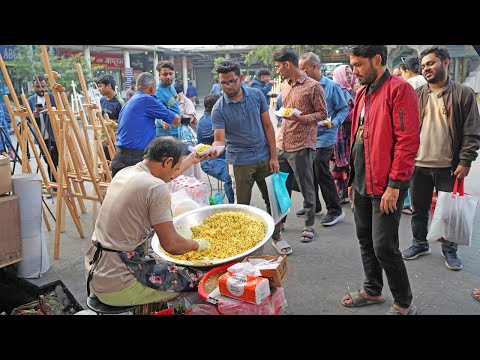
28, 188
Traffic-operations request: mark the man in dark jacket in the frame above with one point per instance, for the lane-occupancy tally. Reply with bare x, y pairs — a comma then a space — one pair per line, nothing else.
384, 141
38, 105
449, 140
263, 82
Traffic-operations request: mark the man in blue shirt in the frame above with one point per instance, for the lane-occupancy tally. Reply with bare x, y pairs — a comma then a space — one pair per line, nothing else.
326, 139
241, 121
167, 96
192, 93
216, 167
136, 123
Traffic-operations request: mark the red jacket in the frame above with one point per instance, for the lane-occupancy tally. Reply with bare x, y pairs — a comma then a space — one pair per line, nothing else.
391, 133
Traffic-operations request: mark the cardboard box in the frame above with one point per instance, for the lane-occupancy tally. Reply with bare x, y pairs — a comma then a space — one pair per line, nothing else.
10, 240
277, 276
5, 175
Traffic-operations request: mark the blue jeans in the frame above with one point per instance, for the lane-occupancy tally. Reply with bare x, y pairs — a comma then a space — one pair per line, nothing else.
218, 169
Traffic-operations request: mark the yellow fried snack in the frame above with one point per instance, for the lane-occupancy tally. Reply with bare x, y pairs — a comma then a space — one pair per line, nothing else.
287, 111
328, 123
230, 233
202, 147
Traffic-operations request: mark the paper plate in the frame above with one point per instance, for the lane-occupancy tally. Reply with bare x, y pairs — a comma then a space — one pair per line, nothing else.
279, 112
208, 151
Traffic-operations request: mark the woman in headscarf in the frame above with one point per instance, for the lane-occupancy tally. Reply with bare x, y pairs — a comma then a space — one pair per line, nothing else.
343, 75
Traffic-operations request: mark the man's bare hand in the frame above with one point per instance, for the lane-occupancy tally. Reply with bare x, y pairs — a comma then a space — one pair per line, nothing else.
176, 121
388, 205
461, 171
165, 126
274, 165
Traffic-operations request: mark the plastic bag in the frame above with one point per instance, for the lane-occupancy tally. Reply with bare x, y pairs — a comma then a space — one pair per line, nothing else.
218, 198
281, 193
276, 213
181, 203
453, 217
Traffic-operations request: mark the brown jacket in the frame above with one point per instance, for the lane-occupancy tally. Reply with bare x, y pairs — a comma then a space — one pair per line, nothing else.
463, 120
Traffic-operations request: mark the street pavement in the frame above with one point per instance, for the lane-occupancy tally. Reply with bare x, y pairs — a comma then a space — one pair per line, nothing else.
320, 272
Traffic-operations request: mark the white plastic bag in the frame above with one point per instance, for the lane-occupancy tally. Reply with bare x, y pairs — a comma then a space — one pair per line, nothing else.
277, 215
181, 203
453, 217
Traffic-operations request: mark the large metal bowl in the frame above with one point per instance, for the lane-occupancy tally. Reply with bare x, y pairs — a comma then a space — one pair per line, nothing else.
184, 222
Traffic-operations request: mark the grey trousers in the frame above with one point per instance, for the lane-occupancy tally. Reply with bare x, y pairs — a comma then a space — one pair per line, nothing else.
299, 164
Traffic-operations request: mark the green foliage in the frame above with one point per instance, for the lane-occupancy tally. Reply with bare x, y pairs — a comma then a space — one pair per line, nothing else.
263, 53
28, 63
216, 61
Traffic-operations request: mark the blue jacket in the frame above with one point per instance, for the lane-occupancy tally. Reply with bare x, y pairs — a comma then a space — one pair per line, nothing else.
32, 100
337, 112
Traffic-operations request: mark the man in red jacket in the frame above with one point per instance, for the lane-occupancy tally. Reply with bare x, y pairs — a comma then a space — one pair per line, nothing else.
384, 142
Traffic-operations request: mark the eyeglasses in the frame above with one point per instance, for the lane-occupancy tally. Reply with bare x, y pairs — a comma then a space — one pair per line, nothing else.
230, 83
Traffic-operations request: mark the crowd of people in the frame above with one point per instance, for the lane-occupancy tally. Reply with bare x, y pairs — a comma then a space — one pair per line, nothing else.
367, 147
378, 141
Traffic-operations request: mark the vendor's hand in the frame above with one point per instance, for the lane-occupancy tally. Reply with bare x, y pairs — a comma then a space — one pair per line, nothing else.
165, 126
105, 142
11, 154
203, 245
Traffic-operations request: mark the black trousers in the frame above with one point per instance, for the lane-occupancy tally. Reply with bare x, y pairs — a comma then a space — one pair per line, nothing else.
421, 189
125, 157
324, 179
53, 150
378, 237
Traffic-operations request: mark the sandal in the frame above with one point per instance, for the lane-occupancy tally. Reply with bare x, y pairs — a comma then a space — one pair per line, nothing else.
359, 300
281, 247
395, 311
308, 233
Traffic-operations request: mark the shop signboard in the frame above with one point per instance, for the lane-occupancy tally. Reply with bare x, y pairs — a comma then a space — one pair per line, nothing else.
109, 61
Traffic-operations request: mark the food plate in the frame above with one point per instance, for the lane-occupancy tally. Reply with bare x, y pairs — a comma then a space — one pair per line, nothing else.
208, 151
184, 222
279, 112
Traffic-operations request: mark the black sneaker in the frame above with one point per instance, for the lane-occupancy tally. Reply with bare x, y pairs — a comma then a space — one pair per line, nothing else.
414, 252
332, 219
301, 213
453, 262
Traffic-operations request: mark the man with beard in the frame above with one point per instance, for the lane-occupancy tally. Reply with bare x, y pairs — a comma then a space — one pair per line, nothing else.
240, 119
385, 140
38, 105
449, 140
166, 95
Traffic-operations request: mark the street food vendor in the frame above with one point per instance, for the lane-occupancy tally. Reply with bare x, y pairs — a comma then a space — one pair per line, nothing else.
120, 270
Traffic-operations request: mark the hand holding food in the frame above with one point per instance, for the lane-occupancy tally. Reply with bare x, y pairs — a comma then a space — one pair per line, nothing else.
287, 112
202, 147
203, 245
326, 123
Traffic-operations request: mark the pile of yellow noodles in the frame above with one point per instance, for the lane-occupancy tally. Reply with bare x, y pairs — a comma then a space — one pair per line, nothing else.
230, 233
287, 111
202, 147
